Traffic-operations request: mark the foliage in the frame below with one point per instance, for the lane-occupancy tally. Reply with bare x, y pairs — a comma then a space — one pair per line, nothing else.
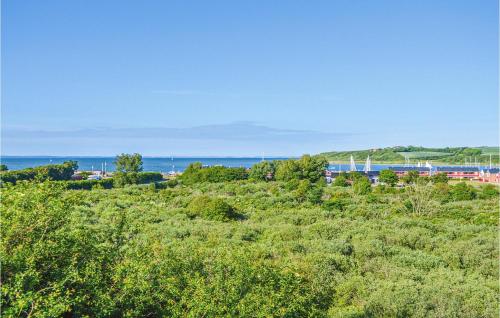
55, 172
211, 208
89, 184
196, 173
133, 252
454, 155
388, 177
440, 178
489, 191
126, 163
305, 168
362, 186
419, 198
124, 178
3, 167
411, 177
340, 181
263, 171
462, 191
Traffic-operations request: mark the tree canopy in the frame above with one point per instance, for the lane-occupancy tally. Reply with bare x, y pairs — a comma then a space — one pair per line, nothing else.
128, 163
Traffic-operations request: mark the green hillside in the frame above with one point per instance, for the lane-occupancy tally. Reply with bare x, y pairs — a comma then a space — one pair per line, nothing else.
456, 155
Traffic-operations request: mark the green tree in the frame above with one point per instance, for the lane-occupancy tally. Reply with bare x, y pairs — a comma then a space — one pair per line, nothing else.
419, 198
3, 167
128, 163
263, 171
307, 167
388, 177
440, 178
362, 186
340, 181
411, 177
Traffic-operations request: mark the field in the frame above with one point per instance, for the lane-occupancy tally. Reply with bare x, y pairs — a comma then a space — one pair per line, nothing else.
424, 154
277, 250
395, 155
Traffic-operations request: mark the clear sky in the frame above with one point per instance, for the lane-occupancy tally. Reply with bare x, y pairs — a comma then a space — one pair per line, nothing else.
246, 77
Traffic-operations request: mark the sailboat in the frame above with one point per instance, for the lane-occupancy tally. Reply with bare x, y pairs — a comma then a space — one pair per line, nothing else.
368, 164
353, 164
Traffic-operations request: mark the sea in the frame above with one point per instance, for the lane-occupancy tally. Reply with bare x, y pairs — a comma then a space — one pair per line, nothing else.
157, 164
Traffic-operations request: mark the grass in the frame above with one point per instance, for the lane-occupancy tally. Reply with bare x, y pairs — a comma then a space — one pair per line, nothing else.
424, 154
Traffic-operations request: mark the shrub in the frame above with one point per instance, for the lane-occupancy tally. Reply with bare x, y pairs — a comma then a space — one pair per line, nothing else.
172, 183
419, 198
211, 208
195, 173
362, 186
340, 181
489, 191
335, 203
89, 184
462, 192
439, 178
388, 177
307, 167
263, 171
124, 178
55, 172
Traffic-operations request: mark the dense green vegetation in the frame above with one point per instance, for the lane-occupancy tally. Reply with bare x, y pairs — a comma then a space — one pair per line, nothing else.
250, 248
457, 155
49, 172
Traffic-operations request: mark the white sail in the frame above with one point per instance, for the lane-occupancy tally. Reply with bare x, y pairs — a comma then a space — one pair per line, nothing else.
368, 164
353, 164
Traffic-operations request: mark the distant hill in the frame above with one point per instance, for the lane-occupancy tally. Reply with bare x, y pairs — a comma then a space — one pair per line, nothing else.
455, 155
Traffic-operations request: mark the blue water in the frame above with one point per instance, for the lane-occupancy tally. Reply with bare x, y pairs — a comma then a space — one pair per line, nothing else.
155, 164
149, 164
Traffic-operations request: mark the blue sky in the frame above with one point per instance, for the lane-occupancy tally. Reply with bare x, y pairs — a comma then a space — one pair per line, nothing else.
246, 77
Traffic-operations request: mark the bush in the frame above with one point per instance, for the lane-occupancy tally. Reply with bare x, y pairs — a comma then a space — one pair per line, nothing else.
57, 172
340, 181
3, 167
306, 168
148, 177
263, 171
124, 178
335, 204
172, 183
89, 184
362, 186
489, 191
439, 178
388, 177
462, 192
195, 173
215, 209
419, 199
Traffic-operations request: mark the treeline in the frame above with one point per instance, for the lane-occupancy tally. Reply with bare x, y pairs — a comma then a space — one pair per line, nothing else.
54, 172
129, 171
308, 167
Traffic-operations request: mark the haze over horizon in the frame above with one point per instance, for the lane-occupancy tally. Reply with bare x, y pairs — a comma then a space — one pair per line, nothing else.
229, 78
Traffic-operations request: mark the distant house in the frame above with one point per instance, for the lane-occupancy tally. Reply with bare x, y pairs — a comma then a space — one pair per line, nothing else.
459, 172
490, 175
